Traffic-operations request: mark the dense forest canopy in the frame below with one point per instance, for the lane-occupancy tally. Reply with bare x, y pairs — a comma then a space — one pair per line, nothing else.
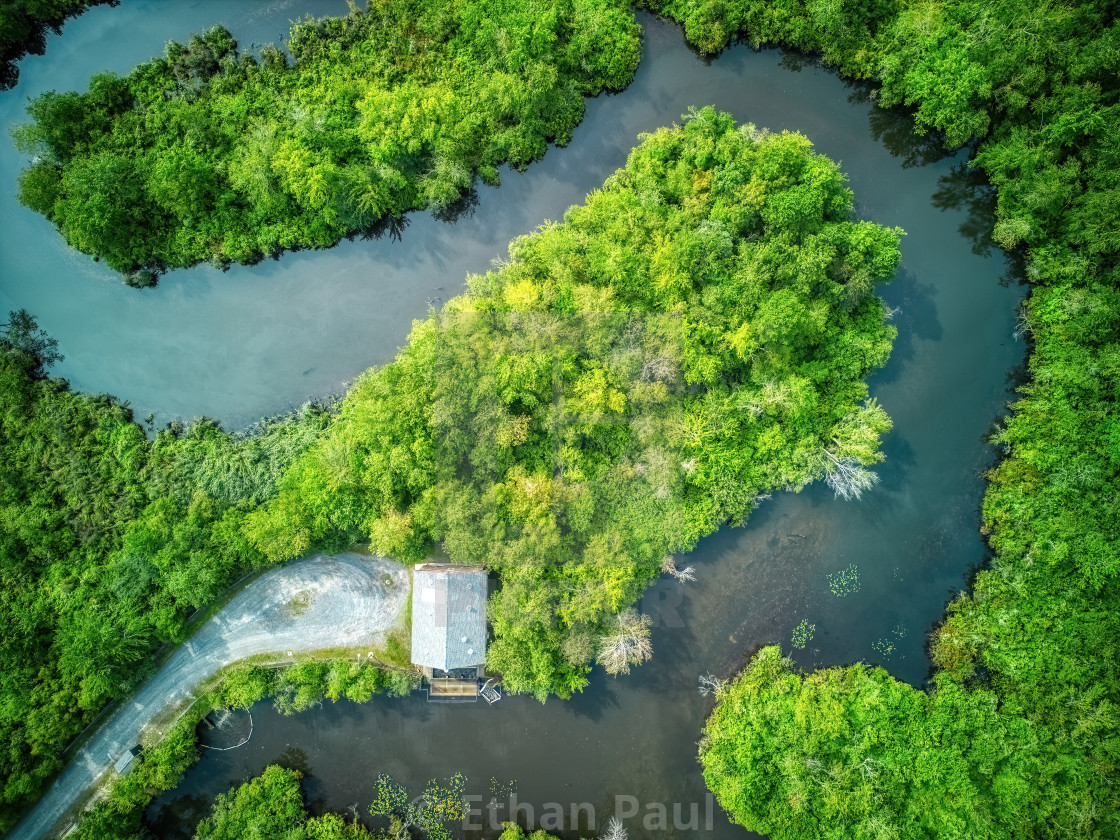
1018, 737
212, 154
695, 335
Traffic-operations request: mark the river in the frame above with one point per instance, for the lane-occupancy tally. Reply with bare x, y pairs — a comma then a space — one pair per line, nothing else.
260, 339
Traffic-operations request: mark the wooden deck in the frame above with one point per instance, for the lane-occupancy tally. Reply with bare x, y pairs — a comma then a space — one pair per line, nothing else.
446, 688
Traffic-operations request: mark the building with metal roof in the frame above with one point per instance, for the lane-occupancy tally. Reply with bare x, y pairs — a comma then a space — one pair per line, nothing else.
123, 764
448, 618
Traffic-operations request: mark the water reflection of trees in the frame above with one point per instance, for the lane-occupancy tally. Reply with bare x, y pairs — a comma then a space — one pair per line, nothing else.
462, 208
392, 225
966, 188
894, 127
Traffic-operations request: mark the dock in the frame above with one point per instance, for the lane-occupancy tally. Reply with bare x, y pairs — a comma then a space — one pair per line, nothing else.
450, 689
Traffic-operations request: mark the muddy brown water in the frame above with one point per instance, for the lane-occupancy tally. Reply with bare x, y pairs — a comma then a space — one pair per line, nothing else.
260, 339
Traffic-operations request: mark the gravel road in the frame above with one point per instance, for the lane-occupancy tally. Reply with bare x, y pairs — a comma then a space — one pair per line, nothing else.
348, 600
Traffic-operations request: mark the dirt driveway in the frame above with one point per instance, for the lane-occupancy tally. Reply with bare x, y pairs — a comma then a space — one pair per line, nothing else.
344, 601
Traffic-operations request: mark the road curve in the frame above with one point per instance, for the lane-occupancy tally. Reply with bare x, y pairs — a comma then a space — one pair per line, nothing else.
348, 600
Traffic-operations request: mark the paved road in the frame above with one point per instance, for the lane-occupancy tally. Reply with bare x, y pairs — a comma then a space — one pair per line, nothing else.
348, 600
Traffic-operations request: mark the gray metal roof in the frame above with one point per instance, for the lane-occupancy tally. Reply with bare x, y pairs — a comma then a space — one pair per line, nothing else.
448, 616
123, 764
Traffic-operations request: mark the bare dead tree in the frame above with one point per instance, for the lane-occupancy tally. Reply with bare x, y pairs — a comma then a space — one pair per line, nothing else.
669, 567
658, 369
710, 685
754, 406
628, 644
847, 477
869, 767
614, 830
400, 826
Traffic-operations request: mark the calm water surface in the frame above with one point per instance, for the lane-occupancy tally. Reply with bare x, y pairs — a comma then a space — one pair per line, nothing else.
259, 339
